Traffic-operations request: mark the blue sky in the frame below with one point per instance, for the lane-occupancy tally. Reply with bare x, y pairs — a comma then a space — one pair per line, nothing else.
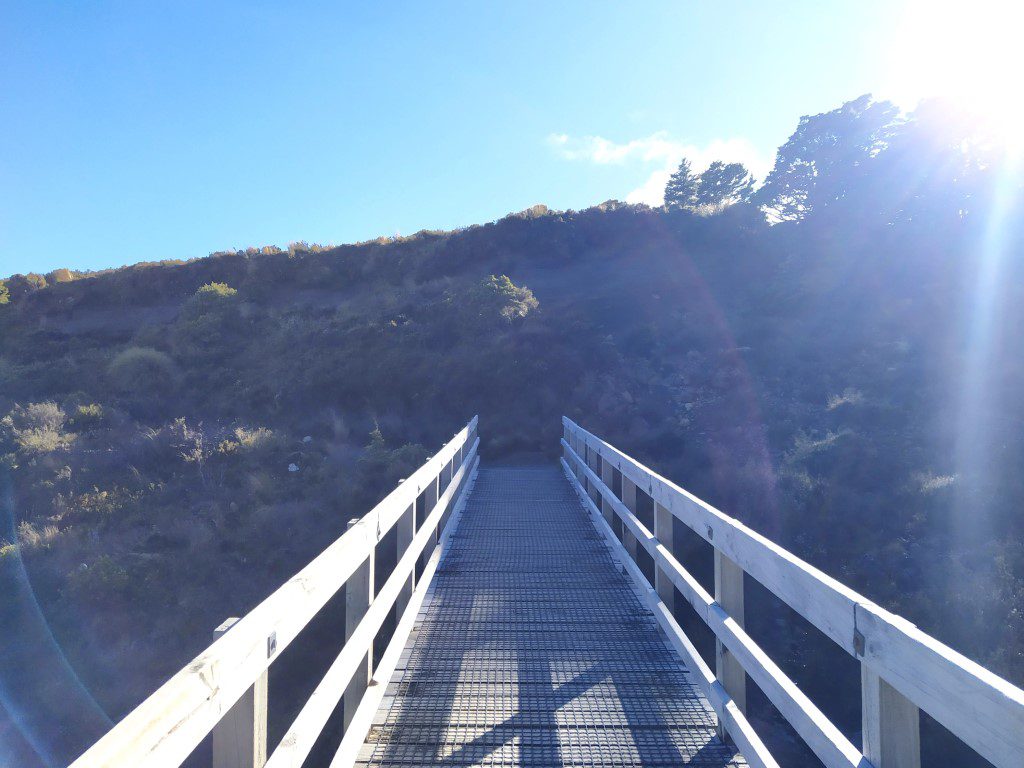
146, 131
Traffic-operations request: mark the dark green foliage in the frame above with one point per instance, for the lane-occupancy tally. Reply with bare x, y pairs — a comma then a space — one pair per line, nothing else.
681, 190
140, 373
381, 461
723, 184
23, 285
717, 187
86, 418
827, 154
207, 323
104, 583
491, 303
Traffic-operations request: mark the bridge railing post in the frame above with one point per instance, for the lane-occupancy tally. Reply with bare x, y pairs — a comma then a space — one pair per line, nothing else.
359, 593
405, 530
629, 501
729, 595
664, 529
240, 738
607, 473
430, 496
891, 722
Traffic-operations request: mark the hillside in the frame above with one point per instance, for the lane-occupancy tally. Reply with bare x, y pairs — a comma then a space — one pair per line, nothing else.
177, 439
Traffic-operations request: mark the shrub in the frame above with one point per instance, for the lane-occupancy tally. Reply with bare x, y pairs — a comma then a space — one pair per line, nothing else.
211, 293
850, 396
21, 285
207, 321
62, 275
259, 440
36, 428
103, 507
143, 371
380, 462
47, 416
105, 581
929, 482
29, 537
88, 417
494, 301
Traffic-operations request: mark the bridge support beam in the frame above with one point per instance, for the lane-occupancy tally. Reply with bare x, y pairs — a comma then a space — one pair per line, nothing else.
359, 593
729, 595
663, 532
892, 732
240, 738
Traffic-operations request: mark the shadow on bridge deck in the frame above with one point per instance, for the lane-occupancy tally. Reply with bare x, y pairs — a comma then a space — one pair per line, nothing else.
533, 650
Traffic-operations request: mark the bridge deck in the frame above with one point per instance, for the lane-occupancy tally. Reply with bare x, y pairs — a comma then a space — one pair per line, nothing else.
533, 650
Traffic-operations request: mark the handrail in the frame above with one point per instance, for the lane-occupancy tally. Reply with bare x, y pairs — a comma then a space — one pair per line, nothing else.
165, 728
727, 709
903, 669
300, 737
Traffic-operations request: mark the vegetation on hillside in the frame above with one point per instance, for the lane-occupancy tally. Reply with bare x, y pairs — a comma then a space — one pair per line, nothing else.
177, 439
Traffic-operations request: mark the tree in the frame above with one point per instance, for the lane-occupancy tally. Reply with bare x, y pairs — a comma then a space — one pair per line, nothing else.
22, 285
724, 184
826, 157
681, 190
5, 295
492, 303
721, 184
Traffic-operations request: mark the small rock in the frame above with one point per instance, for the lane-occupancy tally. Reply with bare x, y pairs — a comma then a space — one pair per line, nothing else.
293, 467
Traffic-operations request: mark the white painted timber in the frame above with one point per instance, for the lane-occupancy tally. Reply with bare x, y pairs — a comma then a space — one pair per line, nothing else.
979, 707
729, 595
662, 532
737, 725
824, 739
358, 596
404, 531
240, 738
982, 709
166, 727
429, 501
606, 478
309, 723
355, 734
891, 722
629, 500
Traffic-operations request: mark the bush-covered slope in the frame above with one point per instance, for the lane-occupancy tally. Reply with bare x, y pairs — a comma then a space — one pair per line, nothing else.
178, 439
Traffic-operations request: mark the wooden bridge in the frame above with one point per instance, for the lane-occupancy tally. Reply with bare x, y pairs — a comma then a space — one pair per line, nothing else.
535, 626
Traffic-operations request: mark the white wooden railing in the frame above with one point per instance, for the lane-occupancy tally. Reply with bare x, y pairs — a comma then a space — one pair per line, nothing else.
224, 689
903, 670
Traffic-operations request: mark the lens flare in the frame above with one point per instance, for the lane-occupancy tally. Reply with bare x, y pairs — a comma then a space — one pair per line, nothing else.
968, 54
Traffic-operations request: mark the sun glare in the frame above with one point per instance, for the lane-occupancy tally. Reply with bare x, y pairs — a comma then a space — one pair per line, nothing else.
967, 53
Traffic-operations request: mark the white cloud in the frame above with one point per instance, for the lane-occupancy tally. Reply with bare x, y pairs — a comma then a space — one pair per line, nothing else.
661, 151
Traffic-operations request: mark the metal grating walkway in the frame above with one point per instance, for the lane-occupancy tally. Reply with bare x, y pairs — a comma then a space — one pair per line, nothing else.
533, 650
